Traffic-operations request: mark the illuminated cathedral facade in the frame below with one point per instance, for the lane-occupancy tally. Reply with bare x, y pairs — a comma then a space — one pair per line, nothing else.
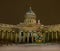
30, 31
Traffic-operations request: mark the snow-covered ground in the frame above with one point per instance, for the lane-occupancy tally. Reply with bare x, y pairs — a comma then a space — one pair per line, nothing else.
30, 47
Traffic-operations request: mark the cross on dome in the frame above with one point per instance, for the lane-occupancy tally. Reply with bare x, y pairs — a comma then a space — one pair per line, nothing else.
30, 11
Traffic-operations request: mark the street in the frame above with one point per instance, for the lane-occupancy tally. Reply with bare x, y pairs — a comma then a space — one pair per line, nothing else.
27, 47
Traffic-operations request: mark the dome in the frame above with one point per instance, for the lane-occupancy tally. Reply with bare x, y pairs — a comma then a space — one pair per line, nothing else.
30, 12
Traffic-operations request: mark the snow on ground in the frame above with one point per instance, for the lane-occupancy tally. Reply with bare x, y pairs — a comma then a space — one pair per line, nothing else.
30, 47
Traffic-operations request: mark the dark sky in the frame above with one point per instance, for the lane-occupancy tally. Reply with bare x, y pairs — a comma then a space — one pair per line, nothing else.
13, 11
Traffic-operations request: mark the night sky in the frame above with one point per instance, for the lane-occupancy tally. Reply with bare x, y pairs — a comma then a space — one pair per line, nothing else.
13, 11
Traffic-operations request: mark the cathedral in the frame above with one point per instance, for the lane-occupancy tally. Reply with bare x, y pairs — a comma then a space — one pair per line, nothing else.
30, 31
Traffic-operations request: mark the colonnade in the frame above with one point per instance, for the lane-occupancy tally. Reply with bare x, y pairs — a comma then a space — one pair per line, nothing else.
52, 36
16, 37
26, 37
8, 36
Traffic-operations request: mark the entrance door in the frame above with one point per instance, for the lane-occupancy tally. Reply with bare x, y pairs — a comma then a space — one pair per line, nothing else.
30, 39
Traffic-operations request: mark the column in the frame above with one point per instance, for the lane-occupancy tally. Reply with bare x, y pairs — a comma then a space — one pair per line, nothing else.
11, 36
19, 36
7, 38
15, 37
59, 36
48, 36
28, 37
32, 36
7, 34
56, 37
44, 35
52, 36
2, 34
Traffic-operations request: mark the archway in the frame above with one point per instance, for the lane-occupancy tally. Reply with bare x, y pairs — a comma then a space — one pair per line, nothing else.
30, 39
